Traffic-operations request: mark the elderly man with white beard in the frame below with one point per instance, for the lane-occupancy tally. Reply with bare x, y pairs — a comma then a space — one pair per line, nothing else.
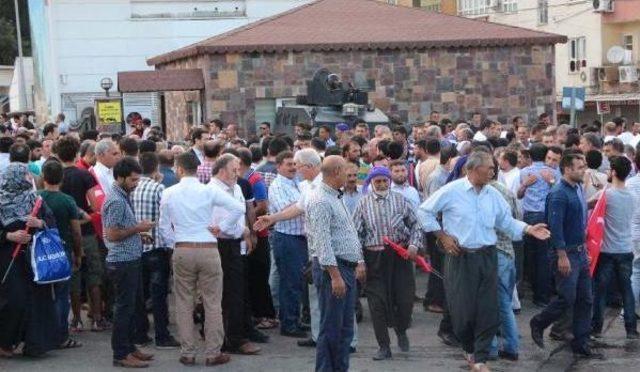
390, 284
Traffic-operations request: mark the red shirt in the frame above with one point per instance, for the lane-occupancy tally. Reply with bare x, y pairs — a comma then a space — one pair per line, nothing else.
82, 164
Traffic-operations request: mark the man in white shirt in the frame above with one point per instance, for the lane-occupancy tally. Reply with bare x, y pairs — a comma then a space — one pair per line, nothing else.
186, 212
225, 180
509, 174
400, 184
107, 155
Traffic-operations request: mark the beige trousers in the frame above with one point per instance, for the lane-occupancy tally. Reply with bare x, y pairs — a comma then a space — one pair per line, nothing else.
198, 271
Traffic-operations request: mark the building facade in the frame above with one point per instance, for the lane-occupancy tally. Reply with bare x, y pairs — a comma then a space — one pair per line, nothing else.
76, 43
467, 66
592, 29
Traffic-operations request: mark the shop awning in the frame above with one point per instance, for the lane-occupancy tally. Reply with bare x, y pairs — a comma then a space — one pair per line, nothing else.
613, 97
160, 80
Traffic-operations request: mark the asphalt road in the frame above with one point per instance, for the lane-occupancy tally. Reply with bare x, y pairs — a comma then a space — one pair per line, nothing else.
427, 352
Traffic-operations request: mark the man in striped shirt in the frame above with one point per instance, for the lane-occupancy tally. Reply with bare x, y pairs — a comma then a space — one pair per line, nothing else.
390, 285
156, 254
289, 245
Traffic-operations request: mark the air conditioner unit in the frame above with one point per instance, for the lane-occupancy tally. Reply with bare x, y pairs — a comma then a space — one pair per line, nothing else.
628, 74
603, 6
594, 76
495, 4
608, 73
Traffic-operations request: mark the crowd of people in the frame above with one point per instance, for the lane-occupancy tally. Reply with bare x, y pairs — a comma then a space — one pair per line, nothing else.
290, 231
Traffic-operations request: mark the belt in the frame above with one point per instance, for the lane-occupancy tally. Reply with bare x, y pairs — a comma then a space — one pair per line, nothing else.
375, 248
476, 250
196, 245
575, 248
349, 264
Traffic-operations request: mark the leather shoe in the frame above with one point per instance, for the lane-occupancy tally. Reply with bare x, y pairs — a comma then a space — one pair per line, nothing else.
587, 354
187, 361
507, 355
145, 357
633, 335
258, 337
130, 362
352, 350
248, 349
448, 339
383, 353
403, 342
307, 343
537, 333
221, 358
296, 333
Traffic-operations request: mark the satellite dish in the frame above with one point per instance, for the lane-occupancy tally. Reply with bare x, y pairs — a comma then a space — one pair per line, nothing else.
615, 54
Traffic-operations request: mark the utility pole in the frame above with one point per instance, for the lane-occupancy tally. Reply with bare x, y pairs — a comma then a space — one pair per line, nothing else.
23, 83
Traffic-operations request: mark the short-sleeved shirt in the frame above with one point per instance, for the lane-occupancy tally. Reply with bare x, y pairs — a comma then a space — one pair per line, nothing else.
75, 183
247, 190
617, 221
64, 210
117, 212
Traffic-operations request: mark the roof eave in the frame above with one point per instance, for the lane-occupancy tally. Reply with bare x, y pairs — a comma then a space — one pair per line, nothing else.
327, 47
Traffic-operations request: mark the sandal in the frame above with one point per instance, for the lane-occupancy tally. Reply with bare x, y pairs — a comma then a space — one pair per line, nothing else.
76, 326
6, 354
267, 323
70, 344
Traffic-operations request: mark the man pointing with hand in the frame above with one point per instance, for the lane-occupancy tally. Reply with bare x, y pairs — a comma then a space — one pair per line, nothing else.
471, 211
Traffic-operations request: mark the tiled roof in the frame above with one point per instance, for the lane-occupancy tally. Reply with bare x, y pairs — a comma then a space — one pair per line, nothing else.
161, 80
342, 25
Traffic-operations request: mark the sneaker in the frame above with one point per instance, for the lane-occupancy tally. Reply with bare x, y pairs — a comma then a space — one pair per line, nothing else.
168, 343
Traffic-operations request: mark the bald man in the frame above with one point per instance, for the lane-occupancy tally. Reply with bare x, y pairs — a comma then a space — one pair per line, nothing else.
338, 262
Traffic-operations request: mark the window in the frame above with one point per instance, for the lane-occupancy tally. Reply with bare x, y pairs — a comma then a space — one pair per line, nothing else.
510, 6
543, 12
431, 5
577, 54
627, 42
473, 7
193, 113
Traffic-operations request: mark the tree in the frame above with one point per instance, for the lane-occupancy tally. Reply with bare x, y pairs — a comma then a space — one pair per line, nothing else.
8, 41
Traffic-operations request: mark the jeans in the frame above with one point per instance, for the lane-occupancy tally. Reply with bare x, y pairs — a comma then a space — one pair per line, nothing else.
537, 261
614, 267
314, 307
336, 321
574, 290
126, 278
635, 274
508, 326
156, 266
290, 253
274, 277
63, 305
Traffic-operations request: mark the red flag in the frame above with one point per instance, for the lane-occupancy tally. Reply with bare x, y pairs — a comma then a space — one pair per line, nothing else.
419, 260
595, 231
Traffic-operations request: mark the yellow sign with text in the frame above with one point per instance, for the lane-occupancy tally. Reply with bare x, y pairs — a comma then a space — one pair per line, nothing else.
109, 111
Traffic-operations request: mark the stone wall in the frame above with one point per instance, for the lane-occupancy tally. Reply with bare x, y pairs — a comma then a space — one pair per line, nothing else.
177, 103
499, 82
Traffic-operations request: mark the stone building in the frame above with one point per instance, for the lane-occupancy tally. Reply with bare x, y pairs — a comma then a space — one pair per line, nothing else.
414, 62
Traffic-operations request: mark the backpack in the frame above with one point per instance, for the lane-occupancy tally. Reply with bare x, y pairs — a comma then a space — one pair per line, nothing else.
49, 260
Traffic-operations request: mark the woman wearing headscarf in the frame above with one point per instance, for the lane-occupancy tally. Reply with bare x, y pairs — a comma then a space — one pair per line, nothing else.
27, 312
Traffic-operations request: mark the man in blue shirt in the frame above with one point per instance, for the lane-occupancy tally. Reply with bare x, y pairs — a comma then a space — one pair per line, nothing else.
566, 218
471, 213
536, 180
124, 243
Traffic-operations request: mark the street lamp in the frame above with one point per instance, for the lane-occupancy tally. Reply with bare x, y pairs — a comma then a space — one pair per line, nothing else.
106, 84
